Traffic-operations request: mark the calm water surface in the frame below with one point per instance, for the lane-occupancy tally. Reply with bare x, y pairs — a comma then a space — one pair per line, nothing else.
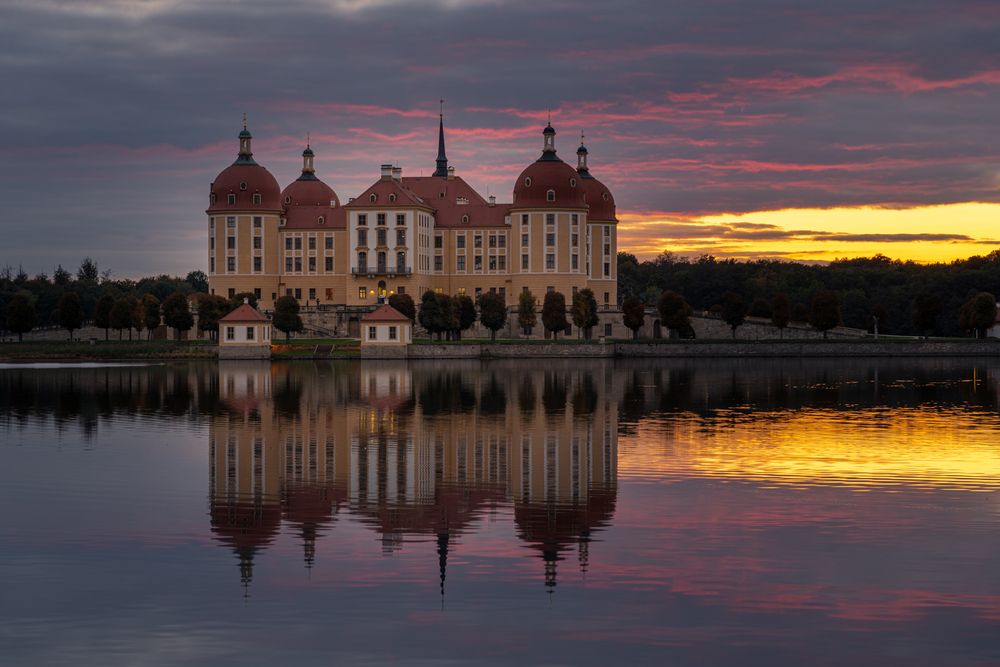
553, 513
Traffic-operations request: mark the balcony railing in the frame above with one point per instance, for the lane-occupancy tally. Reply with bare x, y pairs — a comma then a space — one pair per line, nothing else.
381, 271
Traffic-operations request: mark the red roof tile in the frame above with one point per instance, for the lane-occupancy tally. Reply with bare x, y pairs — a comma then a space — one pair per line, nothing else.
245, 313
385, 313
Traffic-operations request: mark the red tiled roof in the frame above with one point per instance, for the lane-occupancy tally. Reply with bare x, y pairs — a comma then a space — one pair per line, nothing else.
258, 180
307, 217
600, 200
245, 313
548, 175
385, 313
444, 194
384, 187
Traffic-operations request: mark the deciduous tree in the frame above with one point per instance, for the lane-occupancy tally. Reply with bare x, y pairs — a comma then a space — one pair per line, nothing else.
925, 311
70, 312
122, 315
177, 312
527, 312
150, 314
554, 313
286, 316
674, 312
102, 313
492, 313
734, 310
780, 313
584, 311
404, 304
825, 312
211, 307
633, 314
20, 315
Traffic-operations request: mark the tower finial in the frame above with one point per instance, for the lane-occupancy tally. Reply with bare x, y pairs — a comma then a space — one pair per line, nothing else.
441, 109
550, 115
307, 139
442, 159
244, 120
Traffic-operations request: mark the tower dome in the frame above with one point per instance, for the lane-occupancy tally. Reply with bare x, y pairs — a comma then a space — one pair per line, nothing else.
549, 182
597, 195
307, 200
244, 185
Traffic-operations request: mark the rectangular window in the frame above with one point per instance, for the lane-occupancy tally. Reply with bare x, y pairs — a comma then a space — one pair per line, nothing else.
232, 292
401, 237
380, 237
380, 218
231, 264
606, 298
230, 221
211, 223
502, 240
230, 333
550, 261
231, 198
574, 218
312, 242
524, 262
288, 243
298, 263
574, 240
493, 263
231, 242
478, 263
607, 329
288, 264
372, 333
607, 248
211, 265
438, 263
524, 240
256, 293
460, 241
250, 331
329, 243
477, 241
362, 219
461, 291
607, 269
438, 241
392, 333
503, 293
460, 262
312, 263
524, 218
211, 243
298, 243
550, 239
329, 294
312, 293
257, 198
550, 218
298, 293
256, 243
257, 222
363, 237
400, 218
574, 262
257, 264
502, 262
493, 240
479, 293
328, 264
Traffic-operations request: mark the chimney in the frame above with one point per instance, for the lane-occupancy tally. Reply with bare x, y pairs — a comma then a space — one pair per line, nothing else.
451, 173
386, 171
397, 173
493, 200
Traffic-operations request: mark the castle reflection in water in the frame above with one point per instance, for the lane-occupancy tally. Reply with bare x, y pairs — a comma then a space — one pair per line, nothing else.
413, 450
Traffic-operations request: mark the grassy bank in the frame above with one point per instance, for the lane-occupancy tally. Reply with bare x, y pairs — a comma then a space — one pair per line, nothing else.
106, 350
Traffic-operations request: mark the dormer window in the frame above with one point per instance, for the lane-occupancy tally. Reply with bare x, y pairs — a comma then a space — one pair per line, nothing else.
256, 198
333, 203
231, 198
322, 220
288, 200
604, 195
373, 198
243, 186
572, 182
550, 195
392, 197
465, 218
462, 200
211, 198
527, 181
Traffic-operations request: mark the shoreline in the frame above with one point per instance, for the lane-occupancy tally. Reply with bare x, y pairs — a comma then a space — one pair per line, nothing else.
671, 349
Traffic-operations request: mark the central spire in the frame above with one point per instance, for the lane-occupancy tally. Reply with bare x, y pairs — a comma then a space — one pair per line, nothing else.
442, 159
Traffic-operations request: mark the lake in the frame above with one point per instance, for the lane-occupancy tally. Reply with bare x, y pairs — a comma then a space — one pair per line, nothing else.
551, 512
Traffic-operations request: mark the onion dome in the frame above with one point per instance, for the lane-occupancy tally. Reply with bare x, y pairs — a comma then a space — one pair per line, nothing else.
549, 182
308, 189
244, 185
602, 204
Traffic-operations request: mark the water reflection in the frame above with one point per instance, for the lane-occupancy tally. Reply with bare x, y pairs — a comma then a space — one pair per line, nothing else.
412, 451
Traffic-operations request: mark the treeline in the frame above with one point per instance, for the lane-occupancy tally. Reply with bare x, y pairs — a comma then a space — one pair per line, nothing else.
904, 297
73, 300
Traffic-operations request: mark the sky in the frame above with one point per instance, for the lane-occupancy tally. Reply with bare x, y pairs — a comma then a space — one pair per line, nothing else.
775, 129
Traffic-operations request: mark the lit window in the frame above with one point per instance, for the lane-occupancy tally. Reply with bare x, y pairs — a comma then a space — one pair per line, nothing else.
362, 293
461, 291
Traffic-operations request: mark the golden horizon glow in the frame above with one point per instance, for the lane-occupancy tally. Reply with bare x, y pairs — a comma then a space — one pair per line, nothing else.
922, 234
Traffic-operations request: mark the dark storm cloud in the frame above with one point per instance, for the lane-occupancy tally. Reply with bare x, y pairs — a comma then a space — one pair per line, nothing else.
118, 114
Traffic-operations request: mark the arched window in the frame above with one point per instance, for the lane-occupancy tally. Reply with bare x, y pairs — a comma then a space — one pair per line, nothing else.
256, 198
465, 218
550, 195
322, 220
243, 185
380, 259
373, 198
572, 182
400, 262
527, 181
392, 197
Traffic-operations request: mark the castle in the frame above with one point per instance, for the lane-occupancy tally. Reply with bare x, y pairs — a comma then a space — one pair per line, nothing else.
407, 235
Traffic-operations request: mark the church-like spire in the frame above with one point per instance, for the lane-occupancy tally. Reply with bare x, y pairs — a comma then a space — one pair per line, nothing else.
581, 160
246, 155
442, 159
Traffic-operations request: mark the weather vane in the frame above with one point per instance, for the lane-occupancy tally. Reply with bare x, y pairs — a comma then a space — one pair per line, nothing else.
441, 108
244, 120
307, 139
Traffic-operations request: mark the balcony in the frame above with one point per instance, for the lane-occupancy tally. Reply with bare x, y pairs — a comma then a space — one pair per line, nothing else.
390, 271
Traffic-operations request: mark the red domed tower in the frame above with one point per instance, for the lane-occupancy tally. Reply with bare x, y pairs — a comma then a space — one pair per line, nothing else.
548, 222
602, 231
243, 217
